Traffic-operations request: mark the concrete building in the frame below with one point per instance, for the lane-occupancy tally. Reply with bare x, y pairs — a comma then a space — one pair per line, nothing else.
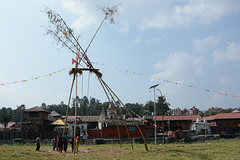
200, 127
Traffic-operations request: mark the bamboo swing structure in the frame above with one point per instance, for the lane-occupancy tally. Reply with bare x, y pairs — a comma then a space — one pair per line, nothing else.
64, 35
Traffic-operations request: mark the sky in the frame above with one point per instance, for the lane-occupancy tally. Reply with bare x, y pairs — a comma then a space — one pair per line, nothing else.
190, 48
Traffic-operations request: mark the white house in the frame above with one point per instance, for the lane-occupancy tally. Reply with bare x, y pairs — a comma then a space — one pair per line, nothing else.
201, 127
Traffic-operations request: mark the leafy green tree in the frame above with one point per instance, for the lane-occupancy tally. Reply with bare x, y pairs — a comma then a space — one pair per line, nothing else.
135, 109
93, 101
18, 114
162, 106
5, 119
4, 110
95, 109
44, 106
149, 107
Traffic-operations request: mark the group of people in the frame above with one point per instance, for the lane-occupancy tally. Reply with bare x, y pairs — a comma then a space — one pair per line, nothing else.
61, 143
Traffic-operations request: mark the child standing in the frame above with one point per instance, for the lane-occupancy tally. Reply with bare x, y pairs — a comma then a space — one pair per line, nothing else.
38, 143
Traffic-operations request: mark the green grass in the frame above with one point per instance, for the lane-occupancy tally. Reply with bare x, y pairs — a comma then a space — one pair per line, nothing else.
214, 150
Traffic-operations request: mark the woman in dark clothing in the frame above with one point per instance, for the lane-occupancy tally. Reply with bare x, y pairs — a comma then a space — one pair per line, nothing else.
72, 143
60, 144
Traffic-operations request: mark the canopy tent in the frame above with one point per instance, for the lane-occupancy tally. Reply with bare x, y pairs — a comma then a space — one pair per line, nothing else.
58, 122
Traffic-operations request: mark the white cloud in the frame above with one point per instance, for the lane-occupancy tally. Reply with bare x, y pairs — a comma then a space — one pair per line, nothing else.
197, 11
157, 14
232, 52
206, 44
179, 66
222, 101
137, 40
87, 17
225, 81
124, 27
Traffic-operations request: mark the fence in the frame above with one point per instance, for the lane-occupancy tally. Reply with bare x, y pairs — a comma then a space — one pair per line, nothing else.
10, 135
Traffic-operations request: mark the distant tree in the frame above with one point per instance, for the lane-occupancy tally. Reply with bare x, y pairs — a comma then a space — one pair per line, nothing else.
135, 109
4, 110
18, 114
162, 106
44, 106
95, 109
85, 101
211, 113
149, 107
93, 101
5, 119
229, 110
9, 110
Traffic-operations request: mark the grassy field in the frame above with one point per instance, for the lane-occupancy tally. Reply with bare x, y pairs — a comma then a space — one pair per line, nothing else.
214, 150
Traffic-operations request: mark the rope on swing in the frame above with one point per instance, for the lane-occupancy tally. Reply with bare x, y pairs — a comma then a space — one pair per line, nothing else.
88, 98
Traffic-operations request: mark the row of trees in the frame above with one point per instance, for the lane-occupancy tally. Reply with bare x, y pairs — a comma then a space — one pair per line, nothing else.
8, 114
93, 106
85, 107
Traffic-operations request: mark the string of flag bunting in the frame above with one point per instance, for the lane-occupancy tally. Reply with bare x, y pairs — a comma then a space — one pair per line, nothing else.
167, 81
126, 71
35, 78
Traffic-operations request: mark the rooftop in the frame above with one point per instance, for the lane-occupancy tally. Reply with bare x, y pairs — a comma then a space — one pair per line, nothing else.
178, 118
233, 115
84, 118
36, 109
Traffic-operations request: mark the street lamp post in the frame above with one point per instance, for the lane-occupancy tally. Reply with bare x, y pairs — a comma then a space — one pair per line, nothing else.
155, 133
162, 118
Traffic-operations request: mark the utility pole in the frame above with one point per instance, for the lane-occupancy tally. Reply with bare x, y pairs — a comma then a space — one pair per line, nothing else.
155, 123
162, 117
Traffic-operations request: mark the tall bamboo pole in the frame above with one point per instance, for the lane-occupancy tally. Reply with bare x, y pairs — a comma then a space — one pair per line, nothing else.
113, 112
75, 117
146, 148
124, 122
66, 117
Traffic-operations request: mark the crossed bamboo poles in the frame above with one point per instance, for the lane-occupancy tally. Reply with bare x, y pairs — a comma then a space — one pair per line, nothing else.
61, 26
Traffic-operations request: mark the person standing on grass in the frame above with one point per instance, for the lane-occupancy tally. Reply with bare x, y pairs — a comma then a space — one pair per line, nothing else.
72, 143
55, 142
60, 144
77, 142
84, 136
38, 143
58, 137
65, 142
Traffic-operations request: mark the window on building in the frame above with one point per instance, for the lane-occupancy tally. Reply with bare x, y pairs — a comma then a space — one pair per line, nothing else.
34, 114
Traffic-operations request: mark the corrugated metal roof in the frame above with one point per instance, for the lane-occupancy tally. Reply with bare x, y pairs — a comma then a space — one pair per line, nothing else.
36, 109
85, 118
55, 114
51, 118
9, 125
178, 118
233, 115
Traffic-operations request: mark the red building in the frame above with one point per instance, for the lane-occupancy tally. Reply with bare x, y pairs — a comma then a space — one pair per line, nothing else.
223, 122
109, 120
176, 123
